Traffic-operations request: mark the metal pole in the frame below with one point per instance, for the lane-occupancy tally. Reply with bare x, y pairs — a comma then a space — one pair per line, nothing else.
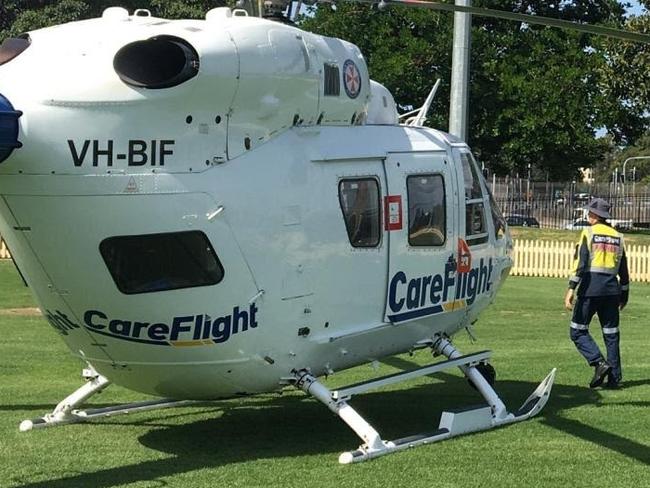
458, 109
634, 158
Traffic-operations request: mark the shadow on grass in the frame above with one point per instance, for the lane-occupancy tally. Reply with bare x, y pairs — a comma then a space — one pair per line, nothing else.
289, 426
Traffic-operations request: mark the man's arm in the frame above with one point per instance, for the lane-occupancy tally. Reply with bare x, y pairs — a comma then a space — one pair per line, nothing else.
580, 267
624, 276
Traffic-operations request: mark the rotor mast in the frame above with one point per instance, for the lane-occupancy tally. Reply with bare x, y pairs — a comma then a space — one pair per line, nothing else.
459, 103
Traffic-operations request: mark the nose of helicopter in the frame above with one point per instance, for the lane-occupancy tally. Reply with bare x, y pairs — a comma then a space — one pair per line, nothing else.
8, 128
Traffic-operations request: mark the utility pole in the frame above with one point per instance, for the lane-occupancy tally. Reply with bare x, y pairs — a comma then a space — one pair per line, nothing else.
459, 106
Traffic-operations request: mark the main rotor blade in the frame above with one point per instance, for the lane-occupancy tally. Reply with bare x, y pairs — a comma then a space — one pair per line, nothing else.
529, 19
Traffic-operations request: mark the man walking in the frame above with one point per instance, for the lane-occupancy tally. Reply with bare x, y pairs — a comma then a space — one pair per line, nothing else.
600, 257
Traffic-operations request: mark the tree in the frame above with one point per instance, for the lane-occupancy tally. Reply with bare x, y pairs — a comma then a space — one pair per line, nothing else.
625, 83
614, 160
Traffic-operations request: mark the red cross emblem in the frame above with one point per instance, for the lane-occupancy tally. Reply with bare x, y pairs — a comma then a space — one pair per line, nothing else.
351, 79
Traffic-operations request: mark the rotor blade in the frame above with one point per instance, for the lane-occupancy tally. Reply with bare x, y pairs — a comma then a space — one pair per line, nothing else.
529, 19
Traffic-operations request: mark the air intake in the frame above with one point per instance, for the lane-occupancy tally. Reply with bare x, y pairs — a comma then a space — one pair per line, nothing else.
159, 62
332, 80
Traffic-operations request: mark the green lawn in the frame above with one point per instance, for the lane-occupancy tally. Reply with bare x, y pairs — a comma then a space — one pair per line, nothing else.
583, 438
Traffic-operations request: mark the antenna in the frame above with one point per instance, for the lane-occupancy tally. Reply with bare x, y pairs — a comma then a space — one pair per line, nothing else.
421, 116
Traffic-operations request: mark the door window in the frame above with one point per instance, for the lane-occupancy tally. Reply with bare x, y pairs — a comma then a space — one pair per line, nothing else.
427, 215
359, 199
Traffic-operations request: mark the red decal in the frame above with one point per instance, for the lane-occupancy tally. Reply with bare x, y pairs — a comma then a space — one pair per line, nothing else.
464, 257
393, 212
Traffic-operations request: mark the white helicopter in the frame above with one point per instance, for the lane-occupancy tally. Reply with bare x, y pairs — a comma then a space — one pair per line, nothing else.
211, 208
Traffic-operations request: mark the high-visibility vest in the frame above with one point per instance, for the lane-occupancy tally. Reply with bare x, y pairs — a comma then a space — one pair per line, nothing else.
605, 248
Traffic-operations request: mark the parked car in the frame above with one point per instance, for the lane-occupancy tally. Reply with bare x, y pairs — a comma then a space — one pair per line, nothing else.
516, 220
577, 224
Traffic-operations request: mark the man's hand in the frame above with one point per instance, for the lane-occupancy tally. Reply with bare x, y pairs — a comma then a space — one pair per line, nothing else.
568, 299
623, 299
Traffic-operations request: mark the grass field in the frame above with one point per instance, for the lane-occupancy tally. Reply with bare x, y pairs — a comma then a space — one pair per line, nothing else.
583, 438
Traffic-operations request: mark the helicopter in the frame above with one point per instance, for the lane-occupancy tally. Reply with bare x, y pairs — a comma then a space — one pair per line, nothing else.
207, 209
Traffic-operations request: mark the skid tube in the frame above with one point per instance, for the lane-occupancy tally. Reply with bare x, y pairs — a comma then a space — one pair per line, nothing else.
452, 423
66, 411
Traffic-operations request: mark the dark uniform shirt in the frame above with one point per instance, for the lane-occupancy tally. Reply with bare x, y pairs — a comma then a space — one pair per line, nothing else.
600, 257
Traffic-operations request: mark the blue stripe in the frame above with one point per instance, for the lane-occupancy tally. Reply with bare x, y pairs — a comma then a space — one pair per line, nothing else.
131, 339
414, 314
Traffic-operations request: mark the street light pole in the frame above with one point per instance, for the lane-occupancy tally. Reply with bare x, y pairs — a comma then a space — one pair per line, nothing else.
634, 158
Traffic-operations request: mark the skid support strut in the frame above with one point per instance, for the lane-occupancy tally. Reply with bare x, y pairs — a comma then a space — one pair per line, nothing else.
66, 413
452, 423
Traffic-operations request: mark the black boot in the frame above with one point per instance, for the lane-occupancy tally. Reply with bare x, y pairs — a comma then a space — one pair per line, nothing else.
600, 371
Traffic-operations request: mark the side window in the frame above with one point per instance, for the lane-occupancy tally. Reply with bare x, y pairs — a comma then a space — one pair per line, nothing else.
359, 199
159, 262
497, 217
427, 212
475, 223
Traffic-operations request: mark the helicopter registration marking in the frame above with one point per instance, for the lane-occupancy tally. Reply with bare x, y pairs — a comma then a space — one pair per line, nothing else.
137, 152
413, 298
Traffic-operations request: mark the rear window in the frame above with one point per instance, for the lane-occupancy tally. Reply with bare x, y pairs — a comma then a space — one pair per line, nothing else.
159, 262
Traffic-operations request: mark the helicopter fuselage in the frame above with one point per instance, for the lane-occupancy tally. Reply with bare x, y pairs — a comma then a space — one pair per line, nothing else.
203, 240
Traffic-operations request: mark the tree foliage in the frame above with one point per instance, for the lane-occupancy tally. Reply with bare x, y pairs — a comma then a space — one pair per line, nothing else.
625, 83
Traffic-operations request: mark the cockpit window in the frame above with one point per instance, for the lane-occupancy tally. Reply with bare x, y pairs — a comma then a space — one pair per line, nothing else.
475, 222
159, 62
497, 217
159, 262
12, 47
359, 199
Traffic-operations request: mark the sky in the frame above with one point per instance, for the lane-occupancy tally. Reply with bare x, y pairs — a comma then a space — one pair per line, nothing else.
635, 9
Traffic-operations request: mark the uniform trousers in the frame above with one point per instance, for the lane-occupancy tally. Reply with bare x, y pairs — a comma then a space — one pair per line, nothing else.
607, 309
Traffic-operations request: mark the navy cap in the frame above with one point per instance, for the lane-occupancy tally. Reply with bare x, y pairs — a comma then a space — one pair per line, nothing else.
599, 207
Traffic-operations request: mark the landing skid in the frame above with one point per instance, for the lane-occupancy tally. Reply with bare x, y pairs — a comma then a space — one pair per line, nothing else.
66, 411
452, 423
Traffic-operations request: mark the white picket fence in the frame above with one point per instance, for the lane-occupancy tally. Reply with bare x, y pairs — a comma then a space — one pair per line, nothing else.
542, 258
4, 251
555, 259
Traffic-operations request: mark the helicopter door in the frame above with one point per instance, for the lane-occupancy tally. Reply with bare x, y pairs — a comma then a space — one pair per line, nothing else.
421, 220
